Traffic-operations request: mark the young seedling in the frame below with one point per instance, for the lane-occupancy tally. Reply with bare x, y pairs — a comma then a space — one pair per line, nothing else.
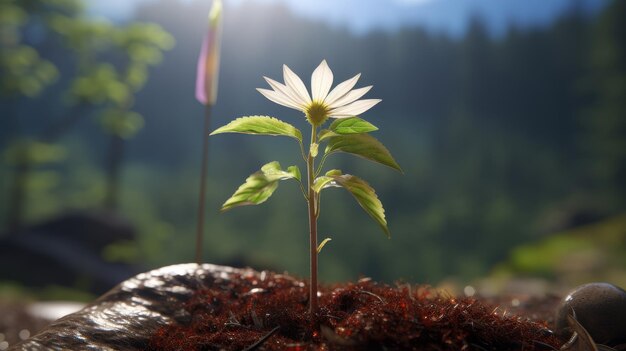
347, 133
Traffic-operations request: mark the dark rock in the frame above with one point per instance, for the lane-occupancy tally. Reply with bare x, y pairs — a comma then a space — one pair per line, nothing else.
67, 251
93, 230
600, 308
126, 317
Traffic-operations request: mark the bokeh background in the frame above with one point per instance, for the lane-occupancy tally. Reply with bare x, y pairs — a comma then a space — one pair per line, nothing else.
508, 118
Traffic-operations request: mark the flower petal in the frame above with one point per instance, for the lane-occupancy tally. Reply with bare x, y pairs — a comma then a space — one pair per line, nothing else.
278, 98
321, 81
341, 89
353, 109
350, 97
284, 90
296, 85
209, 59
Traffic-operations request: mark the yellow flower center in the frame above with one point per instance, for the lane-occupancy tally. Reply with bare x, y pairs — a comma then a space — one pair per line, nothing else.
317, 113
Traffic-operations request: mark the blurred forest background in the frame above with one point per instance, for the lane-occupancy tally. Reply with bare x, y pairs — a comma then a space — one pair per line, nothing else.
513, 146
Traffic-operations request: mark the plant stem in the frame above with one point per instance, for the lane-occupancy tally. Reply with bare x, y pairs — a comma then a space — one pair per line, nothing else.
312, 202
114, 162
203, 175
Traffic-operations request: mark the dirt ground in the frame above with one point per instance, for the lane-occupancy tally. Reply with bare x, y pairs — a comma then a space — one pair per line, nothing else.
19, 319
16, 323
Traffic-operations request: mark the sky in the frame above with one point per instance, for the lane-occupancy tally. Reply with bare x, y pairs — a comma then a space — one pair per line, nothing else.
361, 16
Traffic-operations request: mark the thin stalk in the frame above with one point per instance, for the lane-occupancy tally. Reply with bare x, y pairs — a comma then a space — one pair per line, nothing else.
319, 168
304, 193
304, 156
203, 176
318, 205
312, 203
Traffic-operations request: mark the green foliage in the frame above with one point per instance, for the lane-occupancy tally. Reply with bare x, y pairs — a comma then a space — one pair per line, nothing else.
571, 257
140, 45
33, 152
543, 260
98, 82
24, 72
260, 185
136, 76
144, 42
352, 125
363, 193
101, 78
85, 37
322, 244
126, 251
124, 124
260, 125
325, 181
99, 85
347, 135
10, 17
17, 59
363, 145
105, 66
13, 291
604, 139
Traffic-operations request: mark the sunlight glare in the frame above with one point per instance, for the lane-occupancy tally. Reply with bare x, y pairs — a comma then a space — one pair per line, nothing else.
412, 2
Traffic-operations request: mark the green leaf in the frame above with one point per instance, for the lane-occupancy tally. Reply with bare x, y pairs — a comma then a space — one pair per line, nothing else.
260, 185
325, 181
321, 183
124, 124
314, 149
344, 126
256, 190
273, 171
322, 244
364, 195
363, 145
29, 152
295, 171
325, 134
260, 125
352, 125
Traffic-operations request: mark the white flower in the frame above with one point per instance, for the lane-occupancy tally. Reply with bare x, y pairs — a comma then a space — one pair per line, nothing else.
341, 102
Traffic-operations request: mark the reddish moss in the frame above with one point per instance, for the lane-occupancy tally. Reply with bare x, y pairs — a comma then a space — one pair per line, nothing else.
364, 315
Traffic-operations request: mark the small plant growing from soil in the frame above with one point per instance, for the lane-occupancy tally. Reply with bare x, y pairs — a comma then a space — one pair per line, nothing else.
347, 133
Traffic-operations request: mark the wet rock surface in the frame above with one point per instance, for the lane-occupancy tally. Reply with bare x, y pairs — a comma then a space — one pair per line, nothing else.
126, 317
600, 308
